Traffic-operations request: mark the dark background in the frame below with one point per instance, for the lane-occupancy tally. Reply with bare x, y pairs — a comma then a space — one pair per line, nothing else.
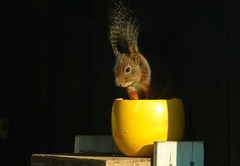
56, 77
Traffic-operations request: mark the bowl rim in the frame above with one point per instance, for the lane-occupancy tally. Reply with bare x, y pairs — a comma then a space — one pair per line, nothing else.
122, 99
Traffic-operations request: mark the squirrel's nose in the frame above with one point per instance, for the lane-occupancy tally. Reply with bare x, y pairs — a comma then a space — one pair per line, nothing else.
118, 84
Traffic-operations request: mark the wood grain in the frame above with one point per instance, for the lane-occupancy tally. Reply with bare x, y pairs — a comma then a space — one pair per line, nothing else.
74, 160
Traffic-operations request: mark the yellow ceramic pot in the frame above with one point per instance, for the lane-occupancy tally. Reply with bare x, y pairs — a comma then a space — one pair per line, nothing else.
136, 124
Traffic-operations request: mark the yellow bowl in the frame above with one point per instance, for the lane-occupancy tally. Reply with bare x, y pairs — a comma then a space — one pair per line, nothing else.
136, 124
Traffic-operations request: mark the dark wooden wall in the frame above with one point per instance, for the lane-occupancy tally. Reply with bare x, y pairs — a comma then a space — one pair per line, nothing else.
56, 76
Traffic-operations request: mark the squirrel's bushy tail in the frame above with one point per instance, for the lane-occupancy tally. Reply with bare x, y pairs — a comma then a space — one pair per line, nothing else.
123, 28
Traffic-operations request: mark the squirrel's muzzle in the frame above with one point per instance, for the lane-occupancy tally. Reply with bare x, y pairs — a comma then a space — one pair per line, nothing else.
122, 83
119, 82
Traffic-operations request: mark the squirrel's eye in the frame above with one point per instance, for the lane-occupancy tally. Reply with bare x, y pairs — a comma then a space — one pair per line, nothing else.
128, 69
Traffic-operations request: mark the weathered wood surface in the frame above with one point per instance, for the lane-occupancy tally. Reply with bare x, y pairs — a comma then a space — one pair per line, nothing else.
95, 144
75, 160
178, 153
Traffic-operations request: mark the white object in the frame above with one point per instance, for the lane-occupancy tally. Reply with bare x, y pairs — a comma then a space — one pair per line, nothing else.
174, 153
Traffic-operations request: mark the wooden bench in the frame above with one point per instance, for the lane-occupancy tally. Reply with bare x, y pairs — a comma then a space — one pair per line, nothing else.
101, 151
76, 160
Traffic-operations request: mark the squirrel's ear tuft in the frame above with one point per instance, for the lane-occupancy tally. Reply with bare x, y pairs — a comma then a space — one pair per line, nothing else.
134, 54
115, 51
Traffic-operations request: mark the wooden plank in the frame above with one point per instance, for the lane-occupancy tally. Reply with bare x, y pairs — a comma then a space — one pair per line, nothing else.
208, 113
234, 123
100, 104
95, 143
75, 160
178, 153
25, 89
69, 111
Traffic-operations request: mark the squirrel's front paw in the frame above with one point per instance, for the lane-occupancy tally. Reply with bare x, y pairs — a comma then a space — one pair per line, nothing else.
133, 95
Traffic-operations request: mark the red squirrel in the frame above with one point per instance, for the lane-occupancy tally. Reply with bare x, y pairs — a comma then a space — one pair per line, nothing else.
131, 70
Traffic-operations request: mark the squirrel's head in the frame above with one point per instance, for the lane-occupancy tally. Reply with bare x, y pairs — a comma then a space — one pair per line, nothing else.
126, 70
